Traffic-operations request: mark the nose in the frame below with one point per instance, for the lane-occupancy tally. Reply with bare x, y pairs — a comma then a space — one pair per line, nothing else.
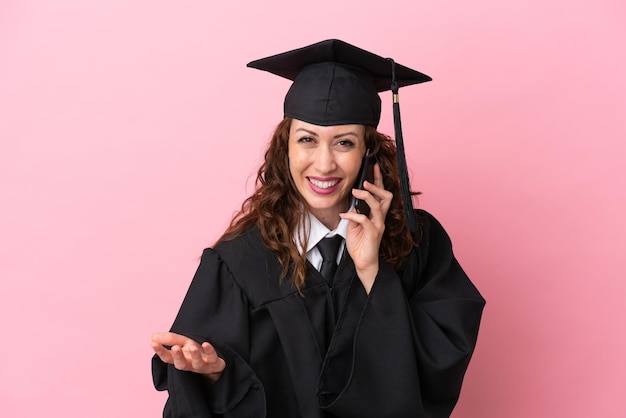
325, 160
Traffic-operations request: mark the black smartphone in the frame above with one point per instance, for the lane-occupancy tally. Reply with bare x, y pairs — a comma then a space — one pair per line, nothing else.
365, 173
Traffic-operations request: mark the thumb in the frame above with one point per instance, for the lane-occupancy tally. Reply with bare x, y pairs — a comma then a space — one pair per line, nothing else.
170, 338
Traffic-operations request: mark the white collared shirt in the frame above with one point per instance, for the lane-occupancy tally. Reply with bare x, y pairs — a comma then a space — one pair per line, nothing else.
318, 231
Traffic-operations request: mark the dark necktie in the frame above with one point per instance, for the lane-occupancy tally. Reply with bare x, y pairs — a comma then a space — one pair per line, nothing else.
329, 247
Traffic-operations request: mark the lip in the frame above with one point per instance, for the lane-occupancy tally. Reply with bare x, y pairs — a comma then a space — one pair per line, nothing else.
324, 185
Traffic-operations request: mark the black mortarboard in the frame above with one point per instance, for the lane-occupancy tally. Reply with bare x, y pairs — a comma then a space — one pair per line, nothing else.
335, 83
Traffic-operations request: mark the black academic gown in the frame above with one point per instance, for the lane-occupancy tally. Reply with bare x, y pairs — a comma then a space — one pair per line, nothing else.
400, 351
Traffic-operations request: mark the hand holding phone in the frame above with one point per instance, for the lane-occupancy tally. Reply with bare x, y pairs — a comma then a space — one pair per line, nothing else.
366, 173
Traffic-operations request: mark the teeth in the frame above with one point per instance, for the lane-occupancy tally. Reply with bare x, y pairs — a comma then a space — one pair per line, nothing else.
323, 184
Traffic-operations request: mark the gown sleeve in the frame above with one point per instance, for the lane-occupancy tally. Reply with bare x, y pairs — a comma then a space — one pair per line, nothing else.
214, 309
402, 351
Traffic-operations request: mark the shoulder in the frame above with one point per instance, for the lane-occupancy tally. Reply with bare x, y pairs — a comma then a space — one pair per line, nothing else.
431, 231
439, 272
253, 266
245, 247
433, 248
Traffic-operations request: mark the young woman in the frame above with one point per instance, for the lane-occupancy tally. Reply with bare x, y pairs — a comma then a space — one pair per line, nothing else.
277, 322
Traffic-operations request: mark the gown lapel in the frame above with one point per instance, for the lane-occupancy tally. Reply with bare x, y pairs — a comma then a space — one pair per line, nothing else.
299, 339
305, 326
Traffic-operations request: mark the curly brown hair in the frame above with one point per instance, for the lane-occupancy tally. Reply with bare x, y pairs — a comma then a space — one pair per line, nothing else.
275, 205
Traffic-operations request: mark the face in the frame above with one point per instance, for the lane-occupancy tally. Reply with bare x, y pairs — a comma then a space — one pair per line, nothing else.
324, 162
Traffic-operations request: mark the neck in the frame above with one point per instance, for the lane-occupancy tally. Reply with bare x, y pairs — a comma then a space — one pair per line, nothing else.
330, 217
331, 222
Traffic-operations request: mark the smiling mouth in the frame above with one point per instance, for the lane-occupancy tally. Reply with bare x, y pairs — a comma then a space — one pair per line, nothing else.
326, 184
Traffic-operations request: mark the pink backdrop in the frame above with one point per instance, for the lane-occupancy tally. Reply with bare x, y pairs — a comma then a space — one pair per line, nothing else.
130, 131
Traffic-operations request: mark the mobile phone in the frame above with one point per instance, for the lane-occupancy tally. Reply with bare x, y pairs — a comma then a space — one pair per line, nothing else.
365, 173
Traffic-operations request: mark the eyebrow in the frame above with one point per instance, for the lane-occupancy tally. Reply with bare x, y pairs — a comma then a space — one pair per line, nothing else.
336, 136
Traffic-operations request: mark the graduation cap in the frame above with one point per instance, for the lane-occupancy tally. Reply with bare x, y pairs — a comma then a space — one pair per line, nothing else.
335, 83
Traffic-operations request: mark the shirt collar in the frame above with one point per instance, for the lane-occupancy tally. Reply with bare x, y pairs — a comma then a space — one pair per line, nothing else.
318, 231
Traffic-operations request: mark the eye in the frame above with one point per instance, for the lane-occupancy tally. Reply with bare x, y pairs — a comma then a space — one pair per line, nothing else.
346, 143
305, 139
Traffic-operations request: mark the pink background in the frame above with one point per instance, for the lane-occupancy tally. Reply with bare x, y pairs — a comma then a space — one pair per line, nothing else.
130, 132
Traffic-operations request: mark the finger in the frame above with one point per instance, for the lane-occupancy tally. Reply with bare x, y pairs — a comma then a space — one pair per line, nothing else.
385, 202
377, 188
357, 218
164, 354
378, 176
180, 362
171, 338
377, 199
209, 352
196, 358
378, 191
216, 364
383, 197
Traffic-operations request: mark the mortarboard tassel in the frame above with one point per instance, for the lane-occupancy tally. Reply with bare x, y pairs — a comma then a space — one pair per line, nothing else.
403, 174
